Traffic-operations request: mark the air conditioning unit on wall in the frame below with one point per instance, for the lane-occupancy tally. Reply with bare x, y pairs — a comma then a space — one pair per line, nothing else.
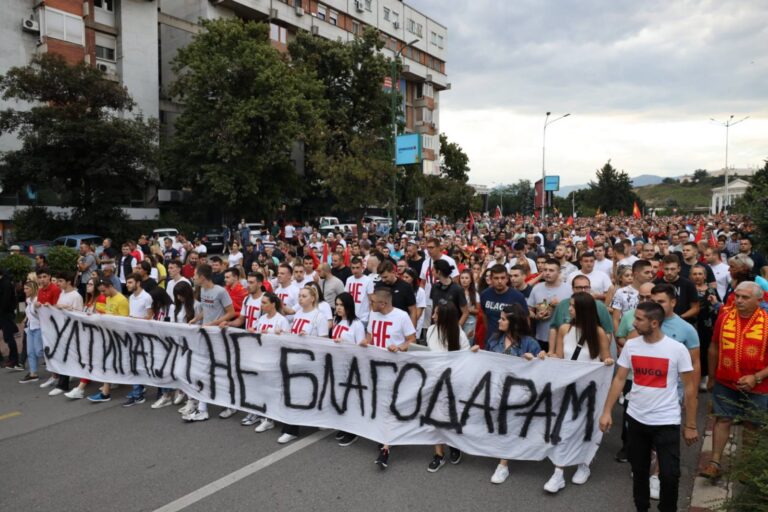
30, 25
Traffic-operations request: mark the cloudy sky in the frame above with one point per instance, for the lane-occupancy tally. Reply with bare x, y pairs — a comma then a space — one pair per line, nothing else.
640, 79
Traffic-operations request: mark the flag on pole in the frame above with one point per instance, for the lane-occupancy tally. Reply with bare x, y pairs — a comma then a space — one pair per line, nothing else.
315, 261
712, 239
699, 233
569, 221
590, 242
325, 252
347, 256
636, 211
497, 213
471, 223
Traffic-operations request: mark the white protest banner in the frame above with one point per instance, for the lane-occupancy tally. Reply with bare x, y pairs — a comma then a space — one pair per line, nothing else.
481, 403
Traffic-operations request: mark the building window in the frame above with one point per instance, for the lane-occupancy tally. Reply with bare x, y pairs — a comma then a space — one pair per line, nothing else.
105, 47
64, 26
333, 18
411, 26
419, 29
107, 5
439, 41
321, 12
278, 34
433, 38
367, 5
395, 17
355, 28
428, 142
386, 14
429, 91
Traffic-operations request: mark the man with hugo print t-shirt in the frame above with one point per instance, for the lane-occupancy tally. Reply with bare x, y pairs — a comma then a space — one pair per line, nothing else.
653, 414
388, 328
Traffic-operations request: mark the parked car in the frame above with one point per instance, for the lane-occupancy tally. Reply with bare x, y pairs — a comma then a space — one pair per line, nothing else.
74, 241
256, 229
213, 242
163, 233
32, 248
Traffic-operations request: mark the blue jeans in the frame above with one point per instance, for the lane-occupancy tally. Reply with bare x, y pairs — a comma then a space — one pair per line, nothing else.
34, 349
137, 391
469, 328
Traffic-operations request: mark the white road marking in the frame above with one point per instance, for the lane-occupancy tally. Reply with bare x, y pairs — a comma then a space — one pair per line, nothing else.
243, 472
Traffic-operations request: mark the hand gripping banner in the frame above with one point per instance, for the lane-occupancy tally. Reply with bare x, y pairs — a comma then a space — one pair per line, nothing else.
482, 403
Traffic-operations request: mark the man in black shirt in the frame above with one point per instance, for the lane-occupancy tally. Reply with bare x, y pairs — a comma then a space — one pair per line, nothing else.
338, 269
517, 278
687, 305
218, 271
414, 256
445, 291
144, 270
402, 292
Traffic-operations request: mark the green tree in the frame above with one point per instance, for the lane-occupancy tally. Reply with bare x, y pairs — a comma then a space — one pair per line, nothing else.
76, 138
351, 155
754, 203
454, 162
448, 197
517, 198
700, 175
245, 107
611, 192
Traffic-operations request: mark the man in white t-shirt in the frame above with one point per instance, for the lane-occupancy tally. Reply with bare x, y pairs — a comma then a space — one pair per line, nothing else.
391, 329
139, 307
287, 291
70, 300
720, 269
174, 277
357, 286
653, 413
251, 309
602, 263
599, 281
289, 232
626, 298
300, 274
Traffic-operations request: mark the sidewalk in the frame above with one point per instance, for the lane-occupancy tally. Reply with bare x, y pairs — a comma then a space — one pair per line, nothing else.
707, 496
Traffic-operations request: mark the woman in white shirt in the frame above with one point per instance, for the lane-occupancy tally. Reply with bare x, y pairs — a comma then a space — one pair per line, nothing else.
34, 335
308, 320
410, 277
322, 305
347, 328
581, 339
235, 257
271, 320
445, 335
184, 310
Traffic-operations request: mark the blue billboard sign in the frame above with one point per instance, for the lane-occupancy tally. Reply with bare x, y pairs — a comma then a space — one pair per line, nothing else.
408, 149
551, 183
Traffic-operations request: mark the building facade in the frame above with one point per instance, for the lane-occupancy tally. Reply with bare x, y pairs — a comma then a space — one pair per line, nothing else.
423, 77
722, 200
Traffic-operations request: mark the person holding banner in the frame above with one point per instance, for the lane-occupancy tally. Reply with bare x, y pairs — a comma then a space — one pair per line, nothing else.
271, 321
34, 335
445, 335
391, 329
582, 332
217, 308
69, 300
185, 310
347, 328
654, 411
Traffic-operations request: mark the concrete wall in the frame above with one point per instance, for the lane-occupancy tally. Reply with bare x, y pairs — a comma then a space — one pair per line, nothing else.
137, 56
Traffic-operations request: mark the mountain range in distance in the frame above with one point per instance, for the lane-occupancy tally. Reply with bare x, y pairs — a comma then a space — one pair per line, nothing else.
638, 181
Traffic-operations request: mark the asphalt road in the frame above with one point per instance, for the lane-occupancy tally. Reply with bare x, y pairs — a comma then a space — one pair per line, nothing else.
62, 455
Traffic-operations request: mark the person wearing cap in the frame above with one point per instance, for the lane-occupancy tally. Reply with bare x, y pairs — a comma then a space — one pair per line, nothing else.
108, 273
15, 249
446, 291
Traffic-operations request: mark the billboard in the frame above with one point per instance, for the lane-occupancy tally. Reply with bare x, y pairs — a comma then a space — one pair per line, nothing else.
551, 183
408, 149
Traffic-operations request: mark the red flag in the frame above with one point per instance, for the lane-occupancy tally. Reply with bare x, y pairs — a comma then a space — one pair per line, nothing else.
569, 221
590, 242
347, 256
471, 224
497, 213
325, 252
315, 261
699, 233
536, 214
636, 211
712, 239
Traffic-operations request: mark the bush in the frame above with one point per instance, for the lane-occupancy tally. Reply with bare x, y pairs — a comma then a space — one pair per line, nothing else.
17, 266
62, 259
749, 470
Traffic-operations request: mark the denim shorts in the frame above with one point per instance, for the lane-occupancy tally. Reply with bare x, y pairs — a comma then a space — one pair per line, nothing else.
732, 403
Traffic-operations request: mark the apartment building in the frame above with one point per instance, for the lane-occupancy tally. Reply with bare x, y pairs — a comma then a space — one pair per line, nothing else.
117, 36
424, 73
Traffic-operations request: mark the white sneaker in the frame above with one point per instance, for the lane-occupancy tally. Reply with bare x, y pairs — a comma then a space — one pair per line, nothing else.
555, 482
178, 397
189, 408
50, 382
56, 392
250, 419
265, 425
196, 416
581, 475
500, 475
655, 485
703, 384
163, 401
227, 413
75, 394
286, 438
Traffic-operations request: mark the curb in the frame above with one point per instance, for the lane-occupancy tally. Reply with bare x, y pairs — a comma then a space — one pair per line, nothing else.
708, 496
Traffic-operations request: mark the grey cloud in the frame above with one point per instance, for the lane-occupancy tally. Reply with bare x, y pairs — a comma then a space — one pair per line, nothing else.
662, 57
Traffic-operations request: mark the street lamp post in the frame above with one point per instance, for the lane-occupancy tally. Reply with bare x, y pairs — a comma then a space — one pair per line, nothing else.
728, 123
547, 122
395, 80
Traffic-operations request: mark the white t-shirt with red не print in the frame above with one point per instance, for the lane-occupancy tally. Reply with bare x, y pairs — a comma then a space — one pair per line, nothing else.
390, 329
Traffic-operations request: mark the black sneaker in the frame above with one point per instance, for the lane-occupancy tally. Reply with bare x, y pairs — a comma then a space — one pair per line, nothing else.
454, 456
438, 461
340, 435
621, 456
347, 439
29, 378
383, 459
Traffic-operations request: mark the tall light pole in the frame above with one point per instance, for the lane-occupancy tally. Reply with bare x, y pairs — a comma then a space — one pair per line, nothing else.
395, 81
728, 123
547, 122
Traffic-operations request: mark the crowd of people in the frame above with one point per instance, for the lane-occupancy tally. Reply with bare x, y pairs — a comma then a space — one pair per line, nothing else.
677, 305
